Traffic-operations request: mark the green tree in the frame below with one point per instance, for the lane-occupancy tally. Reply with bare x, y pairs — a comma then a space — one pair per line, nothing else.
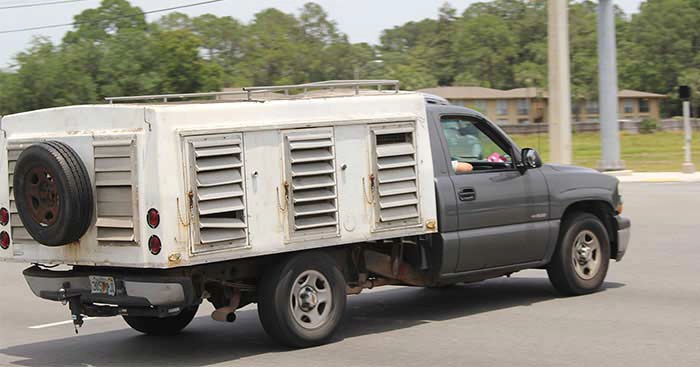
180, 67
99, 24
664, 41
486, 48
46, 78
275, 51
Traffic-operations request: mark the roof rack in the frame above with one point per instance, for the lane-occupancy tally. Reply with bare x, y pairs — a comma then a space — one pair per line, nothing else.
291, 90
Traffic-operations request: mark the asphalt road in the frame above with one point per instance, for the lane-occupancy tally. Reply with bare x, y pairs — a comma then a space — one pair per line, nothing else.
647, 315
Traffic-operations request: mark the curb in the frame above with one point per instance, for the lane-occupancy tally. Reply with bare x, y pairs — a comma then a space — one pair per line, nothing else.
654, 177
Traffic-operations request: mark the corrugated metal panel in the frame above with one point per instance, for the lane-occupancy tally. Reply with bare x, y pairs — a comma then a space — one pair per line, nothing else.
216, 170
17, 231
396, 185
310, 172
117, 203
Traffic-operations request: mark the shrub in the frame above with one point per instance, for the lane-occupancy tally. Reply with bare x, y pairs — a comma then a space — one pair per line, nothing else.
648, 126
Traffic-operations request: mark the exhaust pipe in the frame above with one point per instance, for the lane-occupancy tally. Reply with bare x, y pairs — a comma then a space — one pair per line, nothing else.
228, 313
224, 314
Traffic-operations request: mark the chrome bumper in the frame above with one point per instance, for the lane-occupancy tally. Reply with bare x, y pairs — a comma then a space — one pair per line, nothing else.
131, 289
623, 236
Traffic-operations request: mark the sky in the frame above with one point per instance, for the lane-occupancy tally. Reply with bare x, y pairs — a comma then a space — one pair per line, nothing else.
361, 20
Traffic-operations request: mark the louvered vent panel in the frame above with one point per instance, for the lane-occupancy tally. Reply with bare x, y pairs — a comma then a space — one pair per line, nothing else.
396, 196
310, 166
115, 195
217, 169
17, 230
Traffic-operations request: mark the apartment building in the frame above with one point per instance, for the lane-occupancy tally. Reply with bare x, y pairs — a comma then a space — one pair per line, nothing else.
529, 105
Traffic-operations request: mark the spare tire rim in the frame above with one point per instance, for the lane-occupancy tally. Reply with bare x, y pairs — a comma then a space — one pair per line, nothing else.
311, 299
586, 255
42, 195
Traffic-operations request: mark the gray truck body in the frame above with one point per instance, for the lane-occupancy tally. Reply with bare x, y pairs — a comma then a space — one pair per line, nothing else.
514, 219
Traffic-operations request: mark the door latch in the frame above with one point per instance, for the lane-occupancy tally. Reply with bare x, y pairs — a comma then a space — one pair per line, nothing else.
467, 194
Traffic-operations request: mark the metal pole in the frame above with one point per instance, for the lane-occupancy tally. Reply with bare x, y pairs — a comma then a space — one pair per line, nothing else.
607, 95
559, 82
688, 166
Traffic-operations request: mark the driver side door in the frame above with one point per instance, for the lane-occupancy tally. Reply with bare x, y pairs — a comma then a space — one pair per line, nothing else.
502, 213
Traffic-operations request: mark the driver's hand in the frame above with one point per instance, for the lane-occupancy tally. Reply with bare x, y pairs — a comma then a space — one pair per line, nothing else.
462, 167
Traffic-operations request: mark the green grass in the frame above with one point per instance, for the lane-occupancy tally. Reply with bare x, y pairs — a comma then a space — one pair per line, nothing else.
660, 151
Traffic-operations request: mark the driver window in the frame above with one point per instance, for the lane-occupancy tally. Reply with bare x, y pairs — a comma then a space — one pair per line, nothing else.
470, 149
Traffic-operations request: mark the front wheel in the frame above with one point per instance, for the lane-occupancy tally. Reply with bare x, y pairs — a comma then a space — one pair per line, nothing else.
580, 262
301, 300
162, 326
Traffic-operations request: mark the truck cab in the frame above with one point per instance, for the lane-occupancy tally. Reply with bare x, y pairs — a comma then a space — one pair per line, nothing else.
509, 211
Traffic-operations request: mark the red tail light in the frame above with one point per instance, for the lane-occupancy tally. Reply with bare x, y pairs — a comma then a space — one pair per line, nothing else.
153, 218
154, 245
4, 216
4, 240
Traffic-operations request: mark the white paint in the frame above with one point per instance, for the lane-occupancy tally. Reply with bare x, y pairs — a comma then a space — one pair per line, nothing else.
44, 326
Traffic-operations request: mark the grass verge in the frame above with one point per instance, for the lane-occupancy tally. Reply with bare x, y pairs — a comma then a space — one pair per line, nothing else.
660, 151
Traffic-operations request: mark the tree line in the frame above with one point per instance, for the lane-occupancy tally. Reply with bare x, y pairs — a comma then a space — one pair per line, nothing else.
502, 44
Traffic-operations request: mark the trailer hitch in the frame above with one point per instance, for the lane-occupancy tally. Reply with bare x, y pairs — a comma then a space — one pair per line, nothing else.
66, 295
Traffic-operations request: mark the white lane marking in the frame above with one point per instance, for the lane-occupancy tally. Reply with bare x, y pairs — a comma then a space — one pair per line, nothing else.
44, 326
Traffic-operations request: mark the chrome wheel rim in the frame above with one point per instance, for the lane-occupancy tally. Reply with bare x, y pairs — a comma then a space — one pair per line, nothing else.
311, 299
586, 255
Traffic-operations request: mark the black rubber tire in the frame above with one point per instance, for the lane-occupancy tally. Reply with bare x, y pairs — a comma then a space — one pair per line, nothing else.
75, 196
162, 326
274, 290
561, 270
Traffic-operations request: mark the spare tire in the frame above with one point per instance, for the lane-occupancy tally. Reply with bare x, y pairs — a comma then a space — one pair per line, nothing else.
53, 193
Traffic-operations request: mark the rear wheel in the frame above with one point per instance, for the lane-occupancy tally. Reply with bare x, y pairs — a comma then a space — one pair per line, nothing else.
580, 262
162, 326
301, 300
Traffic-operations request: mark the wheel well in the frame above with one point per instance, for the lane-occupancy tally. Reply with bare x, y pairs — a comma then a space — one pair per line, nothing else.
600, 209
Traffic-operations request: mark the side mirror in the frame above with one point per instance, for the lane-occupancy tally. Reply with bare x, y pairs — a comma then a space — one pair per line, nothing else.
530, 158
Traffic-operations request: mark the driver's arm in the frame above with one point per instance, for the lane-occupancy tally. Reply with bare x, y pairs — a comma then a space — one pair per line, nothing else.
462, 167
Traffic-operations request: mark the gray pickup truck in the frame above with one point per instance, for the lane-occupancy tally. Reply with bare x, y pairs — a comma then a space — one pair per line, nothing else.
499, 211
503, 217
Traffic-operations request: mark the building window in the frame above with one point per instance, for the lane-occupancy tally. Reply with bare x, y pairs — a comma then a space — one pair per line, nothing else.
628, 106
502, 107
523, 121
644, 105
480, 105
502, 122
592, 107
457, 102
523, 107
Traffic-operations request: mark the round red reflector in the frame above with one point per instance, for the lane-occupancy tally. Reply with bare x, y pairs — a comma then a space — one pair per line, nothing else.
4, 216
153, 218
154, 245
4, 240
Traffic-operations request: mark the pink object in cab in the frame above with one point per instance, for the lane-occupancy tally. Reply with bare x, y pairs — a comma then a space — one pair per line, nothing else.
495, 157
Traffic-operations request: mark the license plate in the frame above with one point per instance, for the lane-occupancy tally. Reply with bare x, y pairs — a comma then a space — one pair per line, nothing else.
102, 285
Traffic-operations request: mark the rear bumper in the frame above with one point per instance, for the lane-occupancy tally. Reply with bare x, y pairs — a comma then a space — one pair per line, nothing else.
131, 290
623, 235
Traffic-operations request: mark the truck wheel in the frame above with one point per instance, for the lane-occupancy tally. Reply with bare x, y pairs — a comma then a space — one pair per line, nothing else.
580, 262
162, 326
301, 300
53, 193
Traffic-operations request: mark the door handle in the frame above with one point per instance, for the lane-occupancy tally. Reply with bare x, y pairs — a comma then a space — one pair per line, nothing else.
467, 194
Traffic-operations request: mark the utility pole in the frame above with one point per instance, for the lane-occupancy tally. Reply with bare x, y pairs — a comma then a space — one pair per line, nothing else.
684, 94
607, 87
559, 82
